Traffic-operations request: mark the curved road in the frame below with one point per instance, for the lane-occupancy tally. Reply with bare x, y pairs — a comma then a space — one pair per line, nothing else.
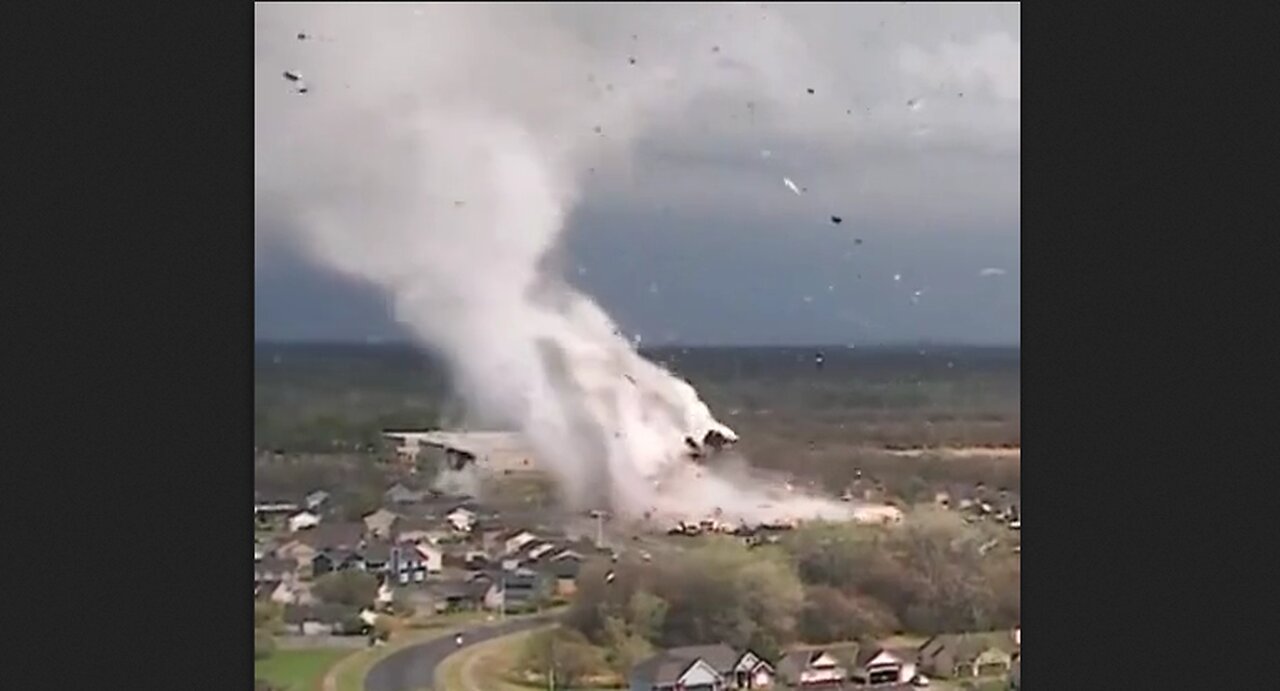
414, 668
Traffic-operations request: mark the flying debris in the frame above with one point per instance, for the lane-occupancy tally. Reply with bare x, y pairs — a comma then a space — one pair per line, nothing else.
608, 577
296, 78
598, 129
791, 185
819, 360
715, 49
897, 277
810, 90
915, 104
837, 220
631, 61
302, 36
857, 241
991, 271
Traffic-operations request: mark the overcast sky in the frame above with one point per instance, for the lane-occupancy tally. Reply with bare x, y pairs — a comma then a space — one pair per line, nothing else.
911, 136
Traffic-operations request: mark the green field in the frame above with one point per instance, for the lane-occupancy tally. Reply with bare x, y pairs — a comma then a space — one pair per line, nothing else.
298, 670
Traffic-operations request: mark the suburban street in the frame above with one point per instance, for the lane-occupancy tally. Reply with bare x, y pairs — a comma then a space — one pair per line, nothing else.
414, 668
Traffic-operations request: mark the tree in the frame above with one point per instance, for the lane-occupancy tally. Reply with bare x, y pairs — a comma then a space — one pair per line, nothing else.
562, 652
347, 587
267, 616
830, 615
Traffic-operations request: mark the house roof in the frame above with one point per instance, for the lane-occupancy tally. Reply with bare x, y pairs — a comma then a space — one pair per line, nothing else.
719, 655
406, 525
377, 551
868, 651
791, 664
274, 565
966, 647
561, 568
324, 612
662, 669
333, 535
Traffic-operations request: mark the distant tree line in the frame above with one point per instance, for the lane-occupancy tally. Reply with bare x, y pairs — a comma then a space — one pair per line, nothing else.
821, 583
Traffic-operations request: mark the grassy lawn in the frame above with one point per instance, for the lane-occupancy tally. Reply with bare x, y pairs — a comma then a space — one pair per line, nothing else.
298, 670
485, 667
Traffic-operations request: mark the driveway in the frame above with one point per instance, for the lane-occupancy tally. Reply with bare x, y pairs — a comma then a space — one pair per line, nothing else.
414, 668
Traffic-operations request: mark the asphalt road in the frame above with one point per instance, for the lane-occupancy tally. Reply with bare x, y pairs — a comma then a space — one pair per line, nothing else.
414, 668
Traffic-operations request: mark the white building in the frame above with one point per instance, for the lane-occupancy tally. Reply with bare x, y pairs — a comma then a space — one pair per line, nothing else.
303, 520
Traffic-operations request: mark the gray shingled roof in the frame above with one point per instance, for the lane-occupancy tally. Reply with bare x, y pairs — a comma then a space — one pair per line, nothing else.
719, 655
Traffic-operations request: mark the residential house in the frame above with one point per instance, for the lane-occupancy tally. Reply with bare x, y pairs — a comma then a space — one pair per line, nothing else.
377, 557
432, 558
302, 521
450, 596
740, 670
461, 519
816, 667
408, 564
512, 540
418, 530
307, 544
317, 620
380, 523
475, 560
322, 563
339, 559
274, 569
519, 589
267, 514
565, 574
877, 664
316, 500
968, 654
674, 672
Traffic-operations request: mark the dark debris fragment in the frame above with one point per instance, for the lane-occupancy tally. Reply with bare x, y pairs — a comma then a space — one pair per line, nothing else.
302, 36
810, 90
837, 220
292, 76
631, 60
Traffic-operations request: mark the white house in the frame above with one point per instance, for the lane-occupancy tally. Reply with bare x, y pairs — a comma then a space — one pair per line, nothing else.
515, 541
461, 519
303, 520
432, 556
